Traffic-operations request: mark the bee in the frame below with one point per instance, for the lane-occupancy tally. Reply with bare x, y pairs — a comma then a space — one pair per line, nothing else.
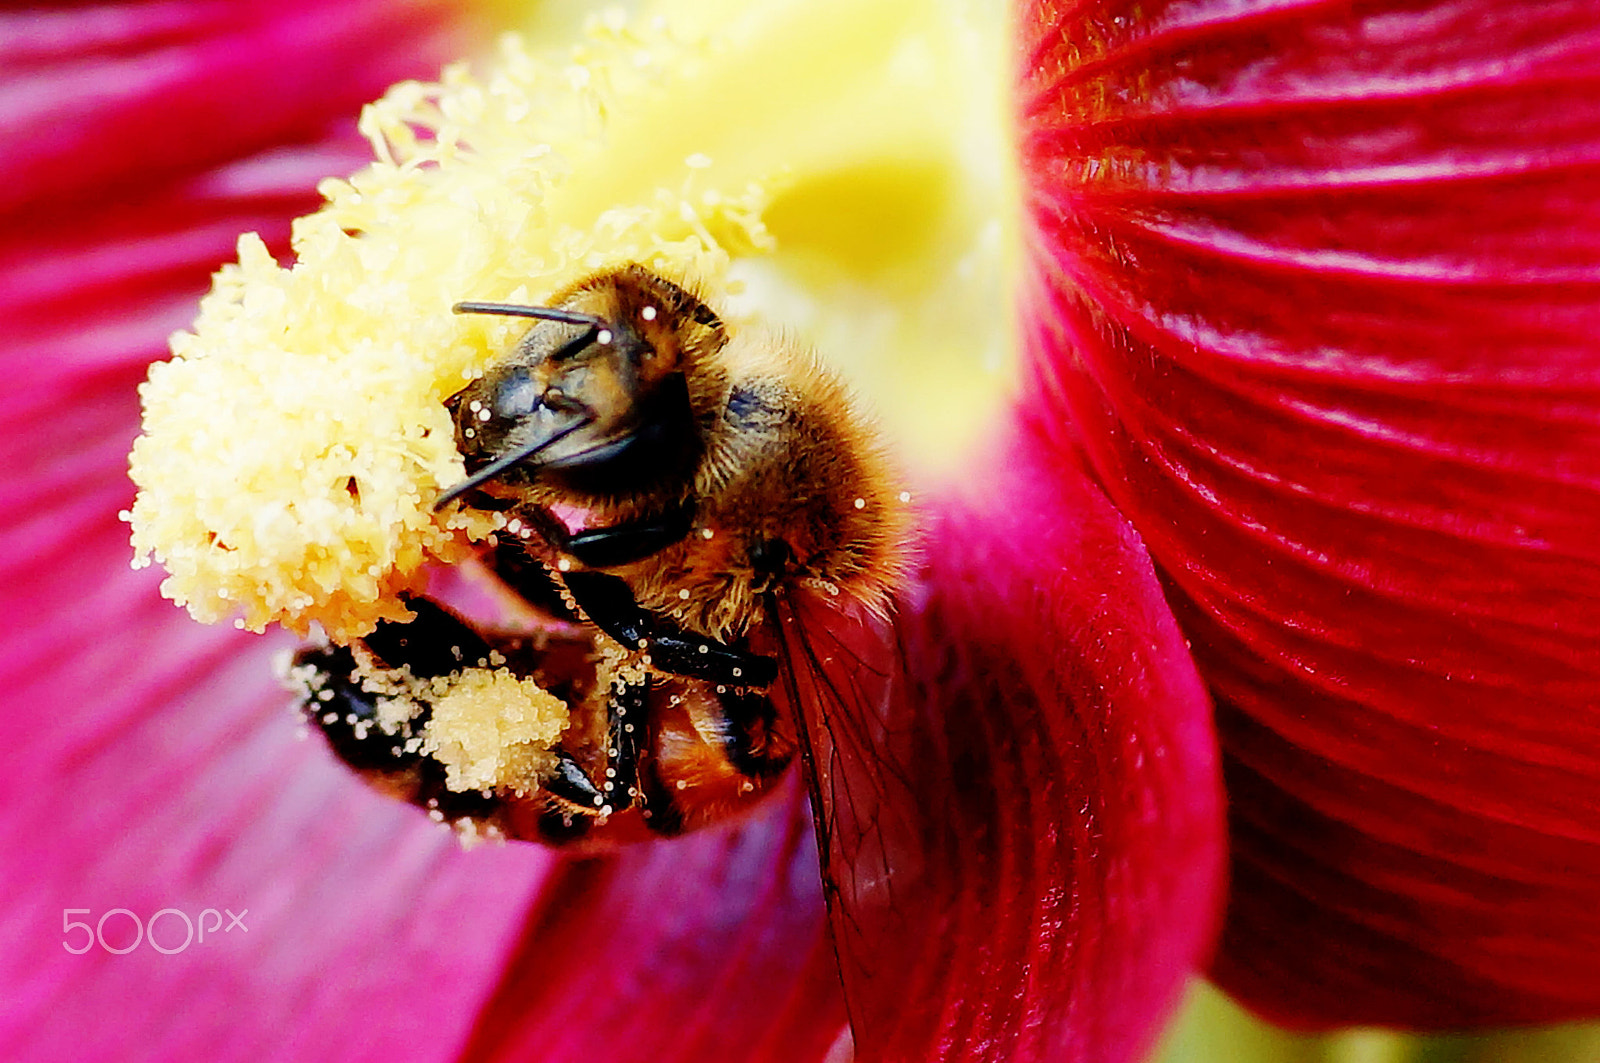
671, 488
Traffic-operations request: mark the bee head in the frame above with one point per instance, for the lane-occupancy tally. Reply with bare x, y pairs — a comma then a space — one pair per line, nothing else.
601, 398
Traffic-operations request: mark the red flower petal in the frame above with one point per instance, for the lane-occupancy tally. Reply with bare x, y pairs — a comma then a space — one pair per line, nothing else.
1324, 288
150, 763
1024, 825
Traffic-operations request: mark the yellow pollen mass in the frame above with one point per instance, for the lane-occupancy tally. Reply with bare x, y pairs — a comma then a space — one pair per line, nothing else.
491, 729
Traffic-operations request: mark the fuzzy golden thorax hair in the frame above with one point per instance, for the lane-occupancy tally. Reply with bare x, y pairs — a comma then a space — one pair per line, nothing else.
794, 488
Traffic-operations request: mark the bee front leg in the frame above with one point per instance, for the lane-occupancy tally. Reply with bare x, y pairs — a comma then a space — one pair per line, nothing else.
615, 544
608, 601
625, 543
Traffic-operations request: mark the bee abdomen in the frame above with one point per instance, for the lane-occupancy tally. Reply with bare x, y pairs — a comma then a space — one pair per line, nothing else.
715, 751
747, 728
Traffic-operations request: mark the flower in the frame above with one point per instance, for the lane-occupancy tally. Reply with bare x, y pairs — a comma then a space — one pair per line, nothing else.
1067, 799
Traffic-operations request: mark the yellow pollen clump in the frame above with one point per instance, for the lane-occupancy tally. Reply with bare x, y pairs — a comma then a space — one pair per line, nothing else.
293, 446
490, 729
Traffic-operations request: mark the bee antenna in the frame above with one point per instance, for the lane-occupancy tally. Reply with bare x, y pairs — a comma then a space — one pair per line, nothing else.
544, 313
495, 468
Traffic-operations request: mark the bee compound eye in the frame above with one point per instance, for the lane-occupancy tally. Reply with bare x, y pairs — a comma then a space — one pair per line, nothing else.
515, 396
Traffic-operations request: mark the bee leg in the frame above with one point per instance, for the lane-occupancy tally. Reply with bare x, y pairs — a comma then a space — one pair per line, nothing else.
530, 578
698, 657
574, 804
575, 789
336, 701
623, 544
436, 643
618, 544
625, 709
333, 697
571, 785
608, 601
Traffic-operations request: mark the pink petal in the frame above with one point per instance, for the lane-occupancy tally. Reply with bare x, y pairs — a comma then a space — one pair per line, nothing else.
1318, 287
711, 946
151, 763
112, 97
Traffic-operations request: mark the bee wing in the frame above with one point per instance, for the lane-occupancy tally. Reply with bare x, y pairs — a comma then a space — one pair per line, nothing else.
880, 785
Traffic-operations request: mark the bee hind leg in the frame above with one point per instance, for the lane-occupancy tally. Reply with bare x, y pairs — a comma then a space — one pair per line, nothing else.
340, 698
333, 699
436, 643
385, 753
337, 699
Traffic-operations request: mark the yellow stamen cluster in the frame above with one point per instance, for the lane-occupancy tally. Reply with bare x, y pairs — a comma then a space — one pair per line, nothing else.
294, 445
